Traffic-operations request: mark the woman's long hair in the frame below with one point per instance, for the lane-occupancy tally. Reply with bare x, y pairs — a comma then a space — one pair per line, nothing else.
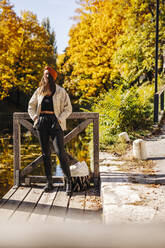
47, 87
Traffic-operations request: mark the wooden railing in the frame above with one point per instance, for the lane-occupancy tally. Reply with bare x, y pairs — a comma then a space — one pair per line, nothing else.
22, 119
159, 105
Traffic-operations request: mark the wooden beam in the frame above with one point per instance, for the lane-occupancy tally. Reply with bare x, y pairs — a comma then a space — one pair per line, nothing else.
42, 179
77, 130
31, 166
74, 115
29, 126
21, 115
16, 150
83, 115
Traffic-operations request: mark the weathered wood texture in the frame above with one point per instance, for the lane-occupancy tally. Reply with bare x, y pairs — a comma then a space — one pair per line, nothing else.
28, 126
31, 166
33, 205
76, 130
74, 115
16, 150
76, 208
59, 207
41, 179
43, 207
10, 206
27, 206
7, 196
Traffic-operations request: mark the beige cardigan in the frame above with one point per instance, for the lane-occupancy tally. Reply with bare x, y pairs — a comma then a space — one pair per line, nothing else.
61, 104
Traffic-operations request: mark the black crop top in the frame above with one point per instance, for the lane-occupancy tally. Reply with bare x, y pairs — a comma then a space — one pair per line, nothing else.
47, 103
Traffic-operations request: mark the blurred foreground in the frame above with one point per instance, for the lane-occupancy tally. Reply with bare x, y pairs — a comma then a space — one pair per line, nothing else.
86, 235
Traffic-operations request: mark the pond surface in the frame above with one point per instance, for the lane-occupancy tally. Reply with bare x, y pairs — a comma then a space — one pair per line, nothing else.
30, 150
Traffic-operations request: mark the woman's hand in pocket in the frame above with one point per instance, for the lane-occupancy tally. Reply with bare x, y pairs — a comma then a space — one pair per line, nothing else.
35, 122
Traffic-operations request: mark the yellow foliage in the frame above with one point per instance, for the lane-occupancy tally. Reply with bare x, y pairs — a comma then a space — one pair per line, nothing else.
25, 50
112, 43
91, 47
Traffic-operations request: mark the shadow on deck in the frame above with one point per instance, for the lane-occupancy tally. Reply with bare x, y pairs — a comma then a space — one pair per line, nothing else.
33, 205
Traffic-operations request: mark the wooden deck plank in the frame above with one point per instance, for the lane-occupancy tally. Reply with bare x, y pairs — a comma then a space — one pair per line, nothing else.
25, 209
59, 207
76, 207
32, 205
7, 196
12, 204
42, 209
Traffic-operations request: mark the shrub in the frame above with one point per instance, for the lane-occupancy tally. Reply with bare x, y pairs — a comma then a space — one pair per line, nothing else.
129, 110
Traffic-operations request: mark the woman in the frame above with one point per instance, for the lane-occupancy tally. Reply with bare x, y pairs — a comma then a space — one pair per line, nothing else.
49, 108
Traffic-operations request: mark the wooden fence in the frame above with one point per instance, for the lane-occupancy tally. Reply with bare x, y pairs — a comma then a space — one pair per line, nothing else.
20, 118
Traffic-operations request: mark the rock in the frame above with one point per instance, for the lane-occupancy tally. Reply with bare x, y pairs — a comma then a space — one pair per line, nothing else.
148, 149
124, 137
139, 149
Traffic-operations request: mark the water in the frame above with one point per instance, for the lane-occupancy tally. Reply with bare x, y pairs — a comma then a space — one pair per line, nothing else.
30, 150
59, 171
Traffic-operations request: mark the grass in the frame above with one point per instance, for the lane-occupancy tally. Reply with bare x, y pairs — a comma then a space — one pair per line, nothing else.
132, 164
114, 145
145, 167
124, 153
119, 148
123, 150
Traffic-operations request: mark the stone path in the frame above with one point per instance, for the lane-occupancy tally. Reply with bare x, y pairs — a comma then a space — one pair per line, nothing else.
131, 196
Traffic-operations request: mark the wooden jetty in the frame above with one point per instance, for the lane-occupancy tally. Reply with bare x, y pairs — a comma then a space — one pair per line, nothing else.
27, 202
32, 205
22, 176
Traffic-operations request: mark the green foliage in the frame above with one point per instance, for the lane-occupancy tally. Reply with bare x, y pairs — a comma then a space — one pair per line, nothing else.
130, 110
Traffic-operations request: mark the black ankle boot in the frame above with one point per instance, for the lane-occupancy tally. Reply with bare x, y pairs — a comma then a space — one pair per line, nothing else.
68, 186
49, 185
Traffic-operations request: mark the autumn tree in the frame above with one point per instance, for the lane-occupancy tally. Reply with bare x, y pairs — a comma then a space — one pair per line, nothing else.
91, 47
9, 26
112, 43
26, 49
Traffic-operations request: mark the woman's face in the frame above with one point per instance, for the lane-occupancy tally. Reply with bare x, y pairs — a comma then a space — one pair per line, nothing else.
46, 75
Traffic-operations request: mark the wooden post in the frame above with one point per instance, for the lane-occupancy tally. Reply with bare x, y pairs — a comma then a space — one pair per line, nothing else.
16, 150
96, 150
